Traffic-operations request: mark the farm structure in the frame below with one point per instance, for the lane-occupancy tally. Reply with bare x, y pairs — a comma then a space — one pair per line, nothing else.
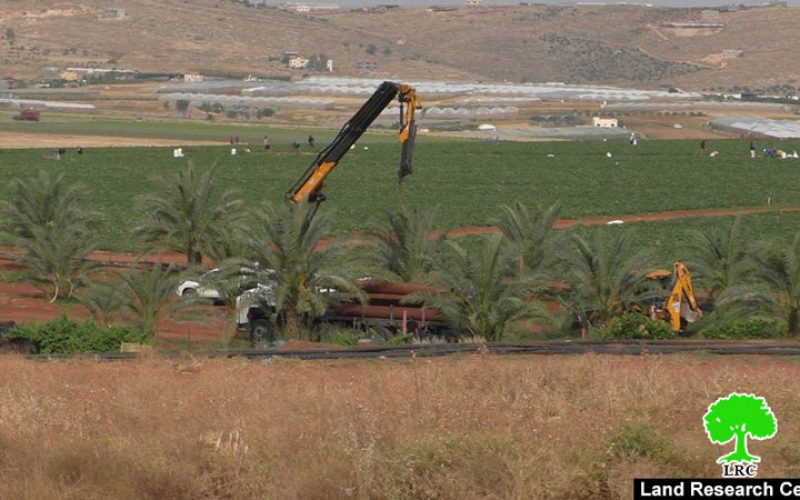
763, 127
605, 122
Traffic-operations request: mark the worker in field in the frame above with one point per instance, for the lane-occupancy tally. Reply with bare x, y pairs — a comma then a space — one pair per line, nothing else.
752, 150
703, 147
295, 145
265, 142
311, 141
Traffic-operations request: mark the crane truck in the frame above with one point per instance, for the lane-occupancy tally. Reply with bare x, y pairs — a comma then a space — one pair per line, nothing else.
309, 185
384, 310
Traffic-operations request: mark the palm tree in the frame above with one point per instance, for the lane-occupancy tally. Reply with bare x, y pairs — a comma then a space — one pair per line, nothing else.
403, 247
189, 215
103, 300
605, 278
57, 257
474, 295
44, 201
779, 270
44, 219
149, 297
305, 277
530, 234
721, 260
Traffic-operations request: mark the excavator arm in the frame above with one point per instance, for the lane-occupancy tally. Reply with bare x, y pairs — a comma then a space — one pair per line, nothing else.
682, 302
310, 184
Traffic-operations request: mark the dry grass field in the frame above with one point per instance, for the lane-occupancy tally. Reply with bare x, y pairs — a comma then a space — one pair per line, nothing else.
470, 427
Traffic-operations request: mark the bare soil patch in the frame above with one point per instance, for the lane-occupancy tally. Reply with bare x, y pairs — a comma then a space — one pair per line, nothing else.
653, 217
21, 140
23, 302
663, 127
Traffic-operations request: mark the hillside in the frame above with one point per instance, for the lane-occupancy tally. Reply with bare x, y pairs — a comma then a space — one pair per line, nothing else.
624, 45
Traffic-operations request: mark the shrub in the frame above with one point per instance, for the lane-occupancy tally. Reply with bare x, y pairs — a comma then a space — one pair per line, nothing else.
638, 439
265, 113
636, 326
427, 467
339, 336
64, 335
745, 329
401, 339
520, 335
182, 105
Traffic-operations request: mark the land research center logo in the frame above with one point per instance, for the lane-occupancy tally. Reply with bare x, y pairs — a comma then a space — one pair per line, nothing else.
739, 417
735, 420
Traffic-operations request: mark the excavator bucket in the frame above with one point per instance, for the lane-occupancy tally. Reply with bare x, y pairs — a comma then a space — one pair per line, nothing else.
688, 314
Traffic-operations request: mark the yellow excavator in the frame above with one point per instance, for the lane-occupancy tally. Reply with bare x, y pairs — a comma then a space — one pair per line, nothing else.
681, 303
310, 184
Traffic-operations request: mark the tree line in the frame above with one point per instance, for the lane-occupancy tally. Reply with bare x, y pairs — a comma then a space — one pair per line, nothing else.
483, 286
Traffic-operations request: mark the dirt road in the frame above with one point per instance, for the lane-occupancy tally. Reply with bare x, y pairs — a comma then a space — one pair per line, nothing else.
651, 217
25, 141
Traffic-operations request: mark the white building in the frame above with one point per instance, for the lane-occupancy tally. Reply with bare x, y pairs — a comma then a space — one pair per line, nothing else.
605, 122
308, 7
192, 77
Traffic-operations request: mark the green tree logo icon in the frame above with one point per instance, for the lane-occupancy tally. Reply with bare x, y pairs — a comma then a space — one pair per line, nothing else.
739, 417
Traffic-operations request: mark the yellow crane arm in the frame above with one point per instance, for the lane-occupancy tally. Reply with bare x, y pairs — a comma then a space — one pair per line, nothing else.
310, 184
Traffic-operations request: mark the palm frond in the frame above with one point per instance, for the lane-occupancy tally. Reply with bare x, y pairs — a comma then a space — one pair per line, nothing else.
187, 214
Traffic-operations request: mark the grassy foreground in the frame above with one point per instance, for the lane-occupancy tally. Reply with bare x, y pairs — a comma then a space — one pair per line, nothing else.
474, 427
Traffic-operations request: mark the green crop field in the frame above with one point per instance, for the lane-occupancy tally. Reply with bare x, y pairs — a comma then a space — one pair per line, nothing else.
467, 180
668, 240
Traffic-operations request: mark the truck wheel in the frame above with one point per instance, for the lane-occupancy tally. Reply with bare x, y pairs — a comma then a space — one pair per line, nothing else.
261, 330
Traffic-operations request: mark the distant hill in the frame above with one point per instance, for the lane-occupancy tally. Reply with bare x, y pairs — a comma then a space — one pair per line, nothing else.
620, 44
